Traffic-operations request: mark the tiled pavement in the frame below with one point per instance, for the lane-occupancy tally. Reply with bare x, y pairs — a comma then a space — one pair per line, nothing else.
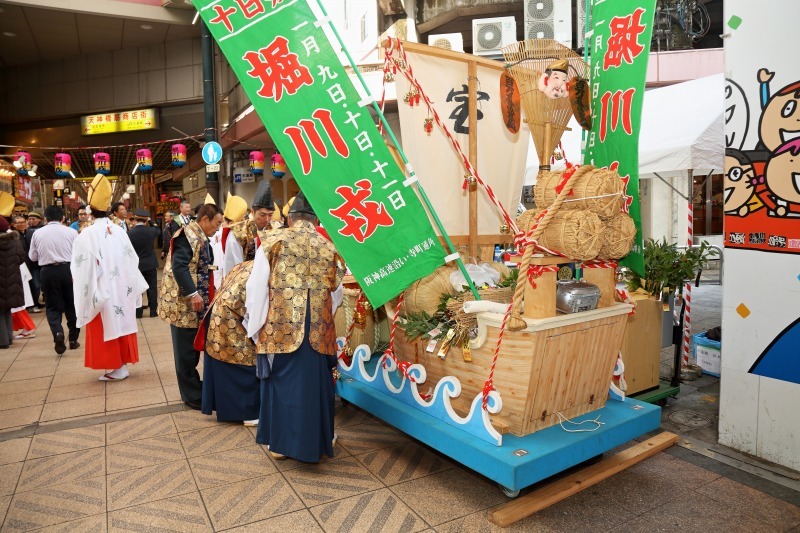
81, 455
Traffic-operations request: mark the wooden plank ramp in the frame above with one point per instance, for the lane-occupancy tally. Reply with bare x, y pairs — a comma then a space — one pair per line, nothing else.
524, 506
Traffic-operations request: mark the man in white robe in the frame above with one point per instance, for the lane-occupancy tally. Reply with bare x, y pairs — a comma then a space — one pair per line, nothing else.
108, 288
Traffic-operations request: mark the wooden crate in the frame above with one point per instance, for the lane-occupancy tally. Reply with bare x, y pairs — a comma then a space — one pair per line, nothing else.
641, 346
561, 364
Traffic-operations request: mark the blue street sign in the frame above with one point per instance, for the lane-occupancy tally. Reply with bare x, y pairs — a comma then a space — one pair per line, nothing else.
212, 153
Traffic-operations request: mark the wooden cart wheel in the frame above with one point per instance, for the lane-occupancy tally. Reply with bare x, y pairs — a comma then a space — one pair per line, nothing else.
508, 492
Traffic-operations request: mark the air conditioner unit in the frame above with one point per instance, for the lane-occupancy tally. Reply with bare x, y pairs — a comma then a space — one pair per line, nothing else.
580, 33
549, 19
490, 35
448, 41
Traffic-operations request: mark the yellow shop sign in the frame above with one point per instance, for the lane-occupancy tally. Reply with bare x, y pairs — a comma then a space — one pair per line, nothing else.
134, 120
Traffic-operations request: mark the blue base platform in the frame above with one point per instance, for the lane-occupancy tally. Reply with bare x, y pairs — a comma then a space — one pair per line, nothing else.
549, 451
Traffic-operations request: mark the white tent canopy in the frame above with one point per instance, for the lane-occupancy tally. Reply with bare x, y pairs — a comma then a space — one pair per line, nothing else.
683, 128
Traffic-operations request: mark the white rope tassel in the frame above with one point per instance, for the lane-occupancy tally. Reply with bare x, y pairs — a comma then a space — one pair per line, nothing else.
562, 419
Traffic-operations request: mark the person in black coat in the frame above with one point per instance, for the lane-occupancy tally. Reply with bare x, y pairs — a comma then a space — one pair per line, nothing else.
142, 238
12, 255
170, 227
34, 224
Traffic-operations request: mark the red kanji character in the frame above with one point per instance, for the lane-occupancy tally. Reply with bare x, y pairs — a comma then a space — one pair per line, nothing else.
99, 118
116, 117
223, 15
626, 200
276, 2
623, 43
621, 103
91, 120
279, 69
373, 214
308, 126
251, 8
108, 118
124, 116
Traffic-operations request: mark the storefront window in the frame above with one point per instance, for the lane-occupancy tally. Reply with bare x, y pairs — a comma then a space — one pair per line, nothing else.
708, 201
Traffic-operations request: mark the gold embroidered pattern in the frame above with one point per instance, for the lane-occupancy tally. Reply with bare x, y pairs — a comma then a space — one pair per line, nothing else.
174, 307
227, 338
303, 264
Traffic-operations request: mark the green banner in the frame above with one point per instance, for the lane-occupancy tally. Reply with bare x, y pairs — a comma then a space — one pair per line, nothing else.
619, 48
286, 62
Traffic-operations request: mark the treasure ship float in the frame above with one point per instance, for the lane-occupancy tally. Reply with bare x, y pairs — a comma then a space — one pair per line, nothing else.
496, 377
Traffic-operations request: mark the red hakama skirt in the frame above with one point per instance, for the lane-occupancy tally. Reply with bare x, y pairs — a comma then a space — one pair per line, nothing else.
22, 320
102, 355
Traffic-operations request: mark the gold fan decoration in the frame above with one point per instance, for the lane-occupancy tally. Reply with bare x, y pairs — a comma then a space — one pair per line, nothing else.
543, 70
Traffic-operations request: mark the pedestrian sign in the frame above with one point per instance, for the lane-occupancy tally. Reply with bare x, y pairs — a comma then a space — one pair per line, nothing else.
212, 153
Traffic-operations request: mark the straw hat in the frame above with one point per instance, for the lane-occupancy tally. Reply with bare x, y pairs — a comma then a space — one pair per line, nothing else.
235, 208
100, 193
7, 204
209, 200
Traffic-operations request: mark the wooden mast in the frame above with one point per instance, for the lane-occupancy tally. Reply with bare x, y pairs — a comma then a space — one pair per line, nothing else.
472, 81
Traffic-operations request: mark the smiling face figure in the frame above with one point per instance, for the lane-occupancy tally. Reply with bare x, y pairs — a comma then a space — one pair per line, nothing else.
780, 120
739, 189
737, 115
783, 172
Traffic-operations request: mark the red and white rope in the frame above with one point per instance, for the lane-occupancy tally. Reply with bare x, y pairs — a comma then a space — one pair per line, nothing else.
402, 366
488, 385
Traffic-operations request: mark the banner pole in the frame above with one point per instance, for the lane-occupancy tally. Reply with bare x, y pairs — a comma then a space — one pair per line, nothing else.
450, 248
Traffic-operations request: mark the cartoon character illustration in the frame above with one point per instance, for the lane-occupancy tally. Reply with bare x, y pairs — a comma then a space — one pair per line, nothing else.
780, 115
737, 115
782, 175
554, 82
741, 184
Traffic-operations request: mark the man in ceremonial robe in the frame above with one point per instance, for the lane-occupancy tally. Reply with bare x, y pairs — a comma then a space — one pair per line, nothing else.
293, 291
243, 240
186, 291
230, 385
107, 287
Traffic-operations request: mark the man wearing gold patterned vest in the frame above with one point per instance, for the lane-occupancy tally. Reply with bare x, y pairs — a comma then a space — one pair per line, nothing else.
230, 385
185, 295
292, 294
241, 240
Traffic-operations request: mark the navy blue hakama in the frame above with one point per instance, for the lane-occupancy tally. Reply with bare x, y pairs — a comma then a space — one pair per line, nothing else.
297, 404
231, 390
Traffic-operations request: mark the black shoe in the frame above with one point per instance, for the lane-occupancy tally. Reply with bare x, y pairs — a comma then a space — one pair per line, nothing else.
74, 345
153, 314
138, 315
60, 346
193, 405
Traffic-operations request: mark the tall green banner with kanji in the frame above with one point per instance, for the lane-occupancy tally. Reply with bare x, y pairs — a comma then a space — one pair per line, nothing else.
282, 53
620, 45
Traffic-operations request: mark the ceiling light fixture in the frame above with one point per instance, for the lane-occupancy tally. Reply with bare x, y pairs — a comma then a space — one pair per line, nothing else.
135, 168
72, 174
197, 14
9, 34
146, 26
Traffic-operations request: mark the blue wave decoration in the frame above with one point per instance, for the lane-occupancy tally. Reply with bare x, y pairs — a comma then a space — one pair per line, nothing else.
381, 374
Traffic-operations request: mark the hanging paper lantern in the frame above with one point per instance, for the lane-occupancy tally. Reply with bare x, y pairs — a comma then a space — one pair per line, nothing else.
144, 158
257, 162
178, 155
102, 163
278, 165
63, 164
23, 163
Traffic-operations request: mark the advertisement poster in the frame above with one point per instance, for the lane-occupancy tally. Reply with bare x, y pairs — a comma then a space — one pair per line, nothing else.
284, 56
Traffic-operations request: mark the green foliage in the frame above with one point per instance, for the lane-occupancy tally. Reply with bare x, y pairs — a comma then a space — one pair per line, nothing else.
419, 325
667, 268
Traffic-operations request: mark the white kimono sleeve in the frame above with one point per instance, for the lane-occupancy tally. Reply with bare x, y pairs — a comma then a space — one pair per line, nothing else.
233, 254
256, 304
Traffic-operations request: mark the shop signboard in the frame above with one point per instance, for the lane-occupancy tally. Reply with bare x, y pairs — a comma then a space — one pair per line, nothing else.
620, 46
284, 55
133, 120
24, 190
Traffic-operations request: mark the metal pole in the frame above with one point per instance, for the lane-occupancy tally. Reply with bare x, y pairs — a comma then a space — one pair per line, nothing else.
450, 248
209, 103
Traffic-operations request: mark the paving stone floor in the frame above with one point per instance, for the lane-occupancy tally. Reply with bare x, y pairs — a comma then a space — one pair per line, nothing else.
77, 454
